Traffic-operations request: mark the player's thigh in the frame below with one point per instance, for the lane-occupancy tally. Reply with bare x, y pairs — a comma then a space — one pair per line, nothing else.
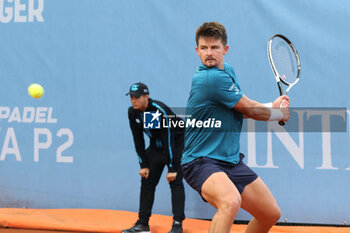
258, 200
218, 190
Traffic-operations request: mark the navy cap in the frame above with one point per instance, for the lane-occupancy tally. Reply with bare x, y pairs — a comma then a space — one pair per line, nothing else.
138, 89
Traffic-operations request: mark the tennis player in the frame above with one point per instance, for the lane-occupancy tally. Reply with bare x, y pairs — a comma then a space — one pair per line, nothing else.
165, 149
212, 162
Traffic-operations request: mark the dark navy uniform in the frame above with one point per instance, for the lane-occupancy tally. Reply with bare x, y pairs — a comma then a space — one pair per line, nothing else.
165, 149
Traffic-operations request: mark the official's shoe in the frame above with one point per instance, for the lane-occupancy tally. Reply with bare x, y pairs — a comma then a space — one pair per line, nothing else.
138, 228
177, 227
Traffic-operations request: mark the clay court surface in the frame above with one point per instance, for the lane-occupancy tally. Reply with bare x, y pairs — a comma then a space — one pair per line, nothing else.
12, 230
113, 221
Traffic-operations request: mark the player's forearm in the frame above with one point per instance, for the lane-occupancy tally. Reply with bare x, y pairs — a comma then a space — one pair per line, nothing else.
257, 111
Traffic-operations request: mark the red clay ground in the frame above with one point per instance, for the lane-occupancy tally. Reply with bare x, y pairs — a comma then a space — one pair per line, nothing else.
113, 221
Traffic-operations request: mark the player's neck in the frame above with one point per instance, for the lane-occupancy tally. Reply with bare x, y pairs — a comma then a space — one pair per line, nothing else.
221, 66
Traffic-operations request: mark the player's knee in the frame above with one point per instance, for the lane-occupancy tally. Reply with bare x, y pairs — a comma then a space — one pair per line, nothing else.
274, 215
230, 204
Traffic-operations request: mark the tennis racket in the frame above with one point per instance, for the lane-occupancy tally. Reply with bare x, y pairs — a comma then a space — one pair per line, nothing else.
284, 62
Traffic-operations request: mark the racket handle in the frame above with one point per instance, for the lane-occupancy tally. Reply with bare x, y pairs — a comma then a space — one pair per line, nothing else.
280, 88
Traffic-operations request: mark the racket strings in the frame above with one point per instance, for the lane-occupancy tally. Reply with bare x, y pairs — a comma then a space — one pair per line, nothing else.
284, 60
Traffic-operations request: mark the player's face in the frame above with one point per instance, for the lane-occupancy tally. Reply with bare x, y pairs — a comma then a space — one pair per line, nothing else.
211, 52
140, 103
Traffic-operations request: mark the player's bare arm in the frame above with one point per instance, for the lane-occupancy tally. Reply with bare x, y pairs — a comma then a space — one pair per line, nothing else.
257, 111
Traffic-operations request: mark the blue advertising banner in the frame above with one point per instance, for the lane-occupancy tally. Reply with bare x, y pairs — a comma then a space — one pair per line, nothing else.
73, 147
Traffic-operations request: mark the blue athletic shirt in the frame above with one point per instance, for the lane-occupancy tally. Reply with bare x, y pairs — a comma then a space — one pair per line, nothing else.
214, 93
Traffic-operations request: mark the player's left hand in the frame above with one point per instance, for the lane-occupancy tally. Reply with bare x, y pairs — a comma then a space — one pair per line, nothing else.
171, 176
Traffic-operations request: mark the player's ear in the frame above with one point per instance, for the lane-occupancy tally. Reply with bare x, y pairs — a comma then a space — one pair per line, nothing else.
147, 96
226, 49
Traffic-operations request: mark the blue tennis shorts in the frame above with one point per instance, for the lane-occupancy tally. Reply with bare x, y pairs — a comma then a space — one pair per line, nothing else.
197, 172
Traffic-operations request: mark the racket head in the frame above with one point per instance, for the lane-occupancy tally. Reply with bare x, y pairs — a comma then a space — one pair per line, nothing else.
284, 59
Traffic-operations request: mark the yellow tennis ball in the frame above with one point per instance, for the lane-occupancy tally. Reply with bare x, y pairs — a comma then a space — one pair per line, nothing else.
35, 90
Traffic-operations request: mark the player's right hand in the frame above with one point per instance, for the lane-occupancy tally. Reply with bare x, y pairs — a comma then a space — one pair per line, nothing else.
144, 173
281, 101
285, 109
